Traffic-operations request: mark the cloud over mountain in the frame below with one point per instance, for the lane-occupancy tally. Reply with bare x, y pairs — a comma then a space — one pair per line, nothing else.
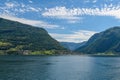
30, 22
78, 36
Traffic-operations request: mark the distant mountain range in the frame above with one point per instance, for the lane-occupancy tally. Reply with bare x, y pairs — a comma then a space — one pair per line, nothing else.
71, 45
18, 38
107, 42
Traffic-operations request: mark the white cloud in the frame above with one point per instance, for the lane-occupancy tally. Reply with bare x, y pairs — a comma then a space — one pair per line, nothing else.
22, 5
33, 9
62, 13
30, 1
28, 8
11, 4
94, 1
78, 36
37, 23
76, 13
57, 11
18, 8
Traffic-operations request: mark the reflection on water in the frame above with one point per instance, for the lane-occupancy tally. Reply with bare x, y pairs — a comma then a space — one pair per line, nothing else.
59, 68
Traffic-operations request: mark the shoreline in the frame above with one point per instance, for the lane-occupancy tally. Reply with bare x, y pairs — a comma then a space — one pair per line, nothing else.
93, 55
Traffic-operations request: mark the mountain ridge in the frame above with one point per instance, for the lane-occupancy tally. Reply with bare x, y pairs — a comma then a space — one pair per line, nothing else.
71, 45
17, 37
103, 42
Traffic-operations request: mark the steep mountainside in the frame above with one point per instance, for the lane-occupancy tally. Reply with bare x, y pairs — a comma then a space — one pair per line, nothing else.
71, 45
104, 42
19, 38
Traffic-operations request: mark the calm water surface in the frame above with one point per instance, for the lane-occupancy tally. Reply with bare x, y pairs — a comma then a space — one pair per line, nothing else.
59, 68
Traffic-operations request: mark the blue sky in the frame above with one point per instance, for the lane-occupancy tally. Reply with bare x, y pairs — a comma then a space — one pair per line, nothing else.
65, 20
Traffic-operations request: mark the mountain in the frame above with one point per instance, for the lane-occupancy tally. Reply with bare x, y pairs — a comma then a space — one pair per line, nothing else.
71, 45
107, 41
18, 38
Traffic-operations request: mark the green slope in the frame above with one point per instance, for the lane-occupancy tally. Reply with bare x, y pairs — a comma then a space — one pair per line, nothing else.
71, 45
104, 42
20, 38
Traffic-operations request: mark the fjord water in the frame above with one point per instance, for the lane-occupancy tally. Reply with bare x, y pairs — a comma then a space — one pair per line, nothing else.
59, 68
